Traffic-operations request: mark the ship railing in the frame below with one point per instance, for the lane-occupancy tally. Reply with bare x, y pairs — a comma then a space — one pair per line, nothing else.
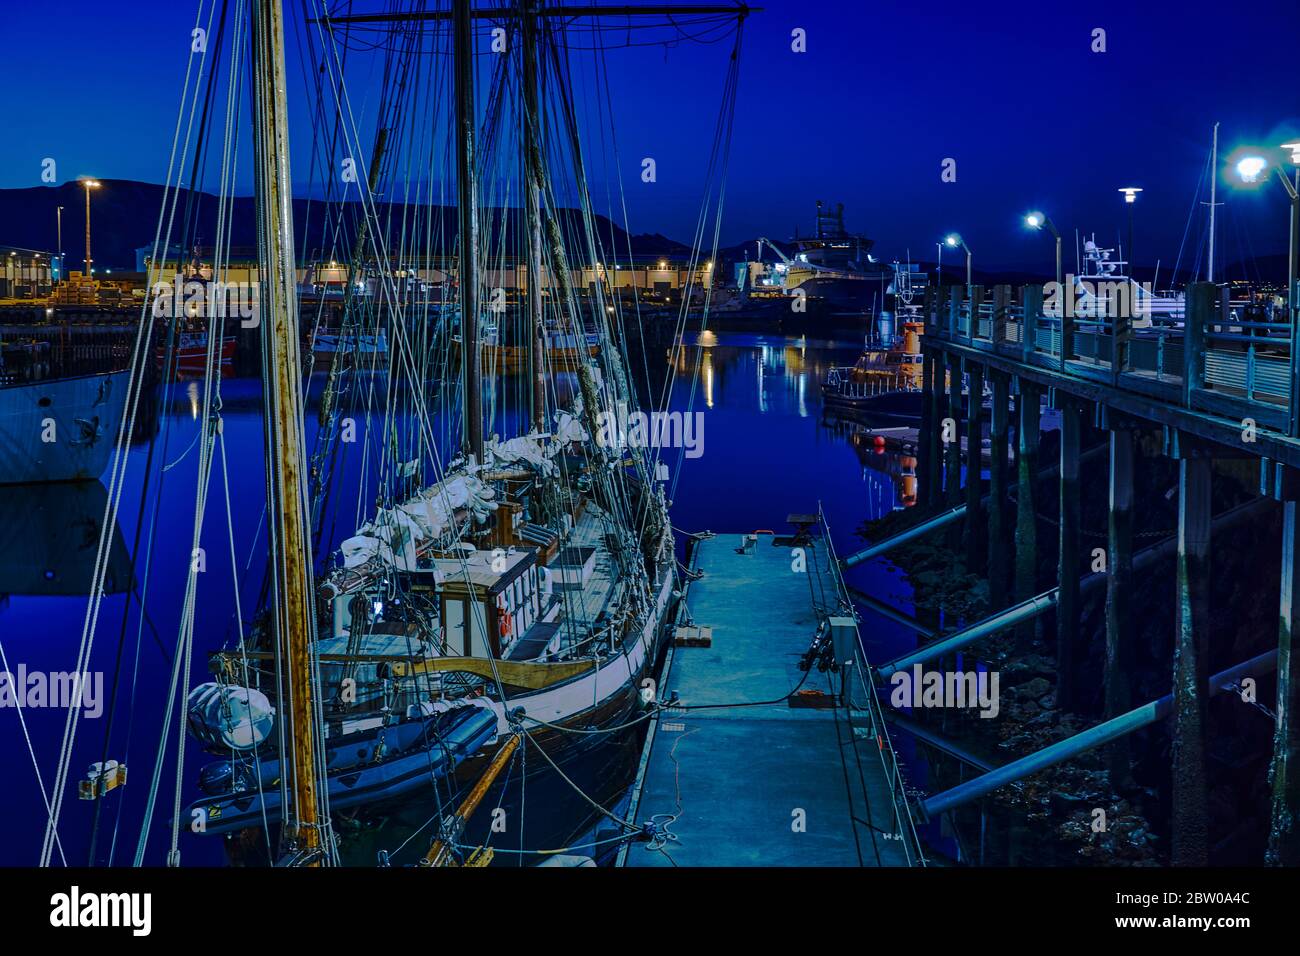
868, 721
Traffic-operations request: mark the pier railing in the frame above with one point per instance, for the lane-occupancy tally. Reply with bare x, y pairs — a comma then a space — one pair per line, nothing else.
867, 721
1201, 350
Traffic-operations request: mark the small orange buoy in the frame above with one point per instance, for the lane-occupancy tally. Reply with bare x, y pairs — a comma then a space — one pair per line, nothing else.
879, 441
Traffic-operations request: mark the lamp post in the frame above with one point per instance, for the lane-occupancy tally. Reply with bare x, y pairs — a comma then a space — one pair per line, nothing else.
59, 227
1038, 220
1253, 169
938, 278
88, 185
1130, 199
955, 241
1293, 192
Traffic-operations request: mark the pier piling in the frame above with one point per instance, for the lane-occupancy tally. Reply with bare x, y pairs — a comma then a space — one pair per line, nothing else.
974, 486
1284, 772
1119, 582
1067, 611
999, 426
1027, 436
1190, 825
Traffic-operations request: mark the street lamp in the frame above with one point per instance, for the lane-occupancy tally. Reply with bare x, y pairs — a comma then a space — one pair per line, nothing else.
954, 241
1039, 220
88, 185
59, 226
1130, 198
1253, 169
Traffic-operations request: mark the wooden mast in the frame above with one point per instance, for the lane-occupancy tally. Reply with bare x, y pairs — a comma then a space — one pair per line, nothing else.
291, 562
467, 202
533, 210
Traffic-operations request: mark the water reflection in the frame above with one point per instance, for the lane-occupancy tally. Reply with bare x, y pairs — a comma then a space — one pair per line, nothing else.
49, 538
770, 450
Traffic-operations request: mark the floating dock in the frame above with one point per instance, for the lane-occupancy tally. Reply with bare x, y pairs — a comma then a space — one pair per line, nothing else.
795, 768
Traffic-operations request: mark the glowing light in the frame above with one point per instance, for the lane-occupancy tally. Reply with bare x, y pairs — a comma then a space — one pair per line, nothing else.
1035, 220
1130, 193
1250, 167
953, 240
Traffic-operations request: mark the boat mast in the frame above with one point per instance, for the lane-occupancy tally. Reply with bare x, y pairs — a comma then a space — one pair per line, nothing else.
291, 561
1214, 182
533, 209
467, 201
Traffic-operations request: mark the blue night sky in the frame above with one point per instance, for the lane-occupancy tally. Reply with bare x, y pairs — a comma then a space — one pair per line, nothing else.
884, 94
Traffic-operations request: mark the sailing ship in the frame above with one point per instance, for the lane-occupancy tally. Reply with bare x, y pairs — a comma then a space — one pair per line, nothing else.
495, 623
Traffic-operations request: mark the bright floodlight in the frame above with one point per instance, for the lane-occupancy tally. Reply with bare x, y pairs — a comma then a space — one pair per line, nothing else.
1295, 151
90, 183
1035, 220
953, 240
1130, 193
1250, 167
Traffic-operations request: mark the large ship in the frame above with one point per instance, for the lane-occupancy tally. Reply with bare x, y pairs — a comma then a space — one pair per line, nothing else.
834, 265
55, 427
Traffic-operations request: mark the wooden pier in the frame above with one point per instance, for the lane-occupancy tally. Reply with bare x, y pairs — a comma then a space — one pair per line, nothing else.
799, 770
1202, 378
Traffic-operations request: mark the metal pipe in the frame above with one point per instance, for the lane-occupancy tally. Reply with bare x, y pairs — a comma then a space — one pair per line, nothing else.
1032, 607
884, 610
941, 520
925, 527
1024, 611
1103, 733
938, 742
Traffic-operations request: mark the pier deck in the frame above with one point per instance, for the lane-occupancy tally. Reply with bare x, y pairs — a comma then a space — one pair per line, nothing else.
737, 777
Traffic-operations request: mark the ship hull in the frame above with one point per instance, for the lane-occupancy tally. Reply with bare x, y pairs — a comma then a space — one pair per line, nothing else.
542, 810
841, 293
60, 429
894, 404
540, 805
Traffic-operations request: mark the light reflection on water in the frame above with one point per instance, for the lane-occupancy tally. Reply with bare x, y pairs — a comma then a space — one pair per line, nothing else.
769, 451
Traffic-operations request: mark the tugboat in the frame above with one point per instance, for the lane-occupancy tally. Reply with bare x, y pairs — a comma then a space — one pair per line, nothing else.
885, 380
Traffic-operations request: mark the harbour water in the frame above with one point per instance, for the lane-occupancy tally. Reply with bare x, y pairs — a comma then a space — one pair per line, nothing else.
761, 416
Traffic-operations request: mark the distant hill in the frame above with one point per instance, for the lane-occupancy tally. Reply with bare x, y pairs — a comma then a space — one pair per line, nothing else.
124, 217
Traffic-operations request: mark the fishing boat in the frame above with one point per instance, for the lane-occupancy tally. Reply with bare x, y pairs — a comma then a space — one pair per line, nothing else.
190, 353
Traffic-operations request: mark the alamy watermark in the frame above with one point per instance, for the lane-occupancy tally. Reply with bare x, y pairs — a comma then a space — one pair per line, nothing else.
196, 299
1122, 299
60, 689
919, 688
624, 429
